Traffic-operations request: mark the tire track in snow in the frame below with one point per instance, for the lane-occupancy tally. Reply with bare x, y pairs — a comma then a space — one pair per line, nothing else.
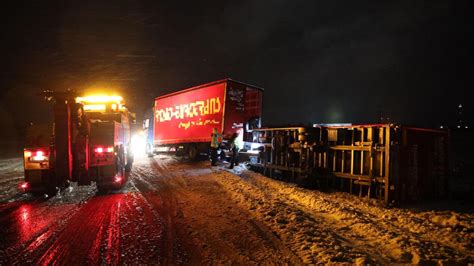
212, 226
77, 239
163, 206
38, 237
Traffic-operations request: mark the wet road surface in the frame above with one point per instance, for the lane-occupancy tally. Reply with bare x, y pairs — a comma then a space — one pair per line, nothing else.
170, 212
177, 212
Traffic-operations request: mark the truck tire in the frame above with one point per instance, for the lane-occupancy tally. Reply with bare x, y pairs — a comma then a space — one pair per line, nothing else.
38, 194
101, 190
149, 150
65, 184
129, 164
52, 190
192, 152
55, 186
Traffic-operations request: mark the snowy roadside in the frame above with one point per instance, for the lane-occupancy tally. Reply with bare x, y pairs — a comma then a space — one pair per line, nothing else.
11, 173
339, 227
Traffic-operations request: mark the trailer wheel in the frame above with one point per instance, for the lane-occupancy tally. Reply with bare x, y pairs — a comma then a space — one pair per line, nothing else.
192, 152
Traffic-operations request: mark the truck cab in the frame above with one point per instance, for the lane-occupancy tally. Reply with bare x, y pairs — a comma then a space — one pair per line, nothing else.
89, 141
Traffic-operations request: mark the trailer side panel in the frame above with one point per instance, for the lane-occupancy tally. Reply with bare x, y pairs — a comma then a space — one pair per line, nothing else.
189, 116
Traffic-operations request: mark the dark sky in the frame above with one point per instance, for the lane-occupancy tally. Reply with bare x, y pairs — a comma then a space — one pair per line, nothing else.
319, 61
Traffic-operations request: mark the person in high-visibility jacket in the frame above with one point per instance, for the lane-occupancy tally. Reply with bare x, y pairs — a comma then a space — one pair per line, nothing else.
215, 137
234, 148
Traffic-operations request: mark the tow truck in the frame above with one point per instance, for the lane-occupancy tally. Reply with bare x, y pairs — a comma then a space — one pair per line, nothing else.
88, 141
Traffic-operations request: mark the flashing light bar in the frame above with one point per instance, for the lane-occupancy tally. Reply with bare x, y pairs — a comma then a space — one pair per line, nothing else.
99, 99
94, 107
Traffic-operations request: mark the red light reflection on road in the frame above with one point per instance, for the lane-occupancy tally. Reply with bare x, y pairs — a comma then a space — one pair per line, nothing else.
25, 225
93, 226
31, 221
30, 224
113, 239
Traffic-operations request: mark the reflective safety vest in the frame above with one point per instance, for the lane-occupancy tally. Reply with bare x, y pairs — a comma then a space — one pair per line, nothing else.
238, 142
234, 143
215, 140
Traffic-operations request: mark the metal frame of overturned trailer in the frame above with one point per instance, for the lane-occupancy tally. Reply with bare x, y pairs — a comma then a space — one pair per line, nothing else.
393, 163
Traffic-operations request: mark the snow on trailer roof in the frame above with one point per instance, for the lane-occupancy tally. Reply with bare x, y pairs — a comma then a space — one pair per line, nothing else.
206, 85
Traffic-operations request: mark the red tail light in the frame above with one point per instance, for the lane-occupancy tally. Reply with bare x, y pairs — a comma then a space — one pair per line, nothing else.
118, 179
104, 149
24, 186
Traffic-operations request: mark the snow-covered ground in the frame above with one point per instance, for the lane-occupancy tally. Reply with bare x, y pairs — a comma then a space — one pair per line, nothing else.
11, 173
177, 212
322, 227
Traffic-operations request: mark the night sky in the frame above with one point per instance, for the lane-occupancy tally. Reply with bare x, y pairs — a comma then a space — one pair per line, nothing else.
319, 61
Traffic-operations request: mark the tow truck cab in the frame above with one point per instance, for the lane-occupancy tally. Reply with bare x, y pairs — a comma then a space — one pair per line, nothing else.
88, 141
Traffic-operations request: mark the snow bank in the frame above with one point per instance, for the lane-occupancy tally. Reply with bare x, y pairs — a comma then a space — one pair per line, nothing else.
340, 227
11, 174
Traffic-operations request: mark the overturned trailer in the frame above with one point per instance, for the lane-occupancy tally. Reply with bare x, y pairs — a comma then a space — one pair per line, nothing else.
395, 164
